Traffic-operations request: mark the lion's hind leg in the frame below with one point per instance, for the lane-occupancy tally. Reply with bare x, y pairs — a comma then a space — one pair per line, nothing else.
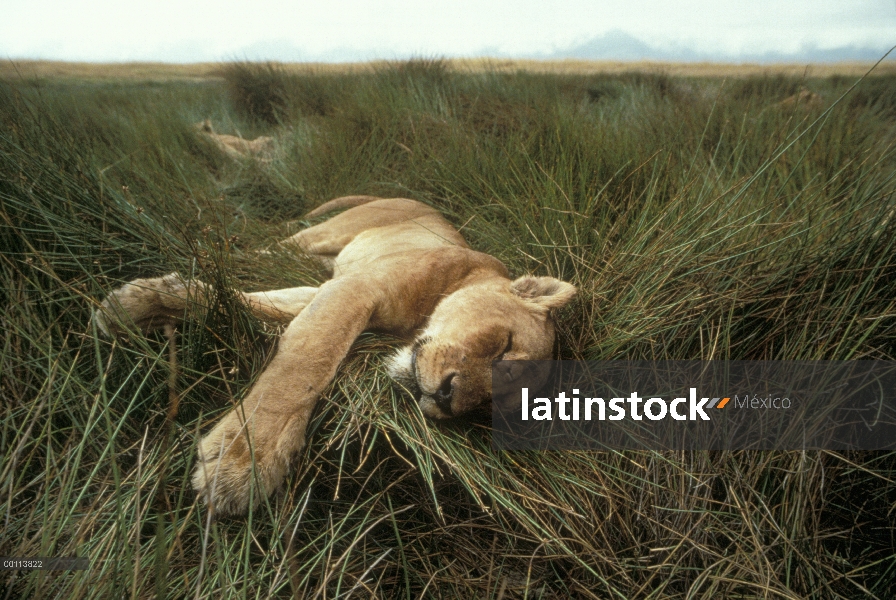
151, 304
326, 240
148, 304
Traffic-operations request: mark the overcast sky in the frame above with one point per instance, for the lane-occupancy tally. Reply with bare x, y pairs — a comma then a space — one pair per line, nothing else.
187, 30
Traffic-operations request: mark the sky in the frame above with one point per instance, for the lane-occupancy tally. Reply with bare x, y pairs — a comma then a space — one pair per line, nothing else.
337, 30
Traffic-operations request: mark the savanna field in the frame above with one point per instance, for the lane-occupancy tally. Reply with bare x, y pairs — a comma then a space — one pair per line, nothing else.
701, 217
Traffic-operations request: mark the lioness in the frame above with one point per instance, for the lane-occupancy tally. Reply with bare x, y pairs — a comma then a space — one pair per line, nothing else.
398, 266
804, 98
236, 147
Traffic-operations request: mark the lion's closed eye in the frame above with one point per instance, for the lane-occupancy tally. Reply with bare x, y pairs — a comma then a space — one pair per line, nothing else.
508, 347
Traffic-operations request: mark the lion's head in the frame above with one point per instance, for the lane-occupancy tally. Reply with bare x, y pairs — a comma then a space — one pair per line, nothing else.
204, 126
448, 367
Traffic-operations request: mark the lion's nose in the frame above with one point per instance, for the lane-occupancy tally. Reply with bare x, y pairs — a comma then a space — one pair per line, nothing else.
444, 393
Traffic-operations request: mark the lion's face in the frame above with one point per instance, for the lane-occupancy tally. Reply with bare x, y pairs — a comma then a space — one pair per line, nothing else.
449, 366
204, 126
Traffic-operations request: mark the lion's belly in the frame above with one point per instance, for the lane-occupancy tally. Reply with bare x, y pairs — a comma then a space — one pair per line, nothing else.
407, 281
377, 249
407, 268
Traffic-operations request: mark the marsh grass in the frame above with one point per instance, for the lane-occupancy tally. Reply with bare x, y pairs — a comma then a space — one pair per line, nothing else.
698, 218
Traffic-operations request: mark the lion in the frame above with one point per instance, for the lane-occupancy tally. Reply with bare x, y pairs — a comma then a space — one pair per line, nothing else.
398, 266
236, 147
804, 98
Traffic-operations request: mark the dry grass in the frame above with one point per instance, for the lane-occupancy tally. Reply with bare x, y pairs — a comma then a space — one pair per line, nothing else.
148, 71
45, 69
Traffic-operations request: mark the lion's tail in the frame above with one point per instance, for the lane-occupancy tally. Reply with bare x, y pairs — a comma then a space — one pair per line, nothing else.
343, 202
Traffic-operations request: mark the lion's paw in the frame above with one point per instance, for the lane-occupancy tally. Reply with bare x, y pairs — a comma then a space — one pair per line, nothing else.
145, 303
229, 476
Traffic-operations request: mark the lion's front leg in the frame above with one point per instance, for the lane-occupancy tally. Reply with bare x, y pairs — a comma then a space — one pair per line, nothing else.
246, 456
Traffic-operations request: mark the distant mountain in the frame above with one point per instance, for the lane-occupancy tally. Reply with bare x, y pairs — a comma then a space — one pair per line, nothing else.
822, 55
287, 51
613, 45
619, 45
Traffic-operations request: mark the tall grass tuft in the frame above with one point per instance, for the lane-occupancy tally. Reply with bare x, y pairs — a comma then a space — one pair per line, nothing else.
701, 219
256, 91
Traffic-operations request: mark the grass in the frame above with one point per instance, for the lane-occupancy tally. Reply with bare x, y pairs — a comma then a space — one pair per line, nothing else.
161, 72
699, 217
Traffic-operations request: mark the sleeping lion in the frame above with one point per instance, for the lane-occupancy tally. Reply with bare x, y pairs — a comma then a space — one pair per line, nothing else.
237, 147
398, 266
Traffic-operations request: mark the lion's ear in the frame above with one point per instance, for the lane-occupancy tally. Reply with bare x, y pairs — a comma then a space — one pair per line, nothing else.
544, 292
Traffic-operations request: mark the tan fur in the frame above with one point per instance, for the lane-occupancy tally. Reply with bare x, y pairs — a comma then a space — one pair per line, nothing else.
803, 98
235, 147
398, 266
